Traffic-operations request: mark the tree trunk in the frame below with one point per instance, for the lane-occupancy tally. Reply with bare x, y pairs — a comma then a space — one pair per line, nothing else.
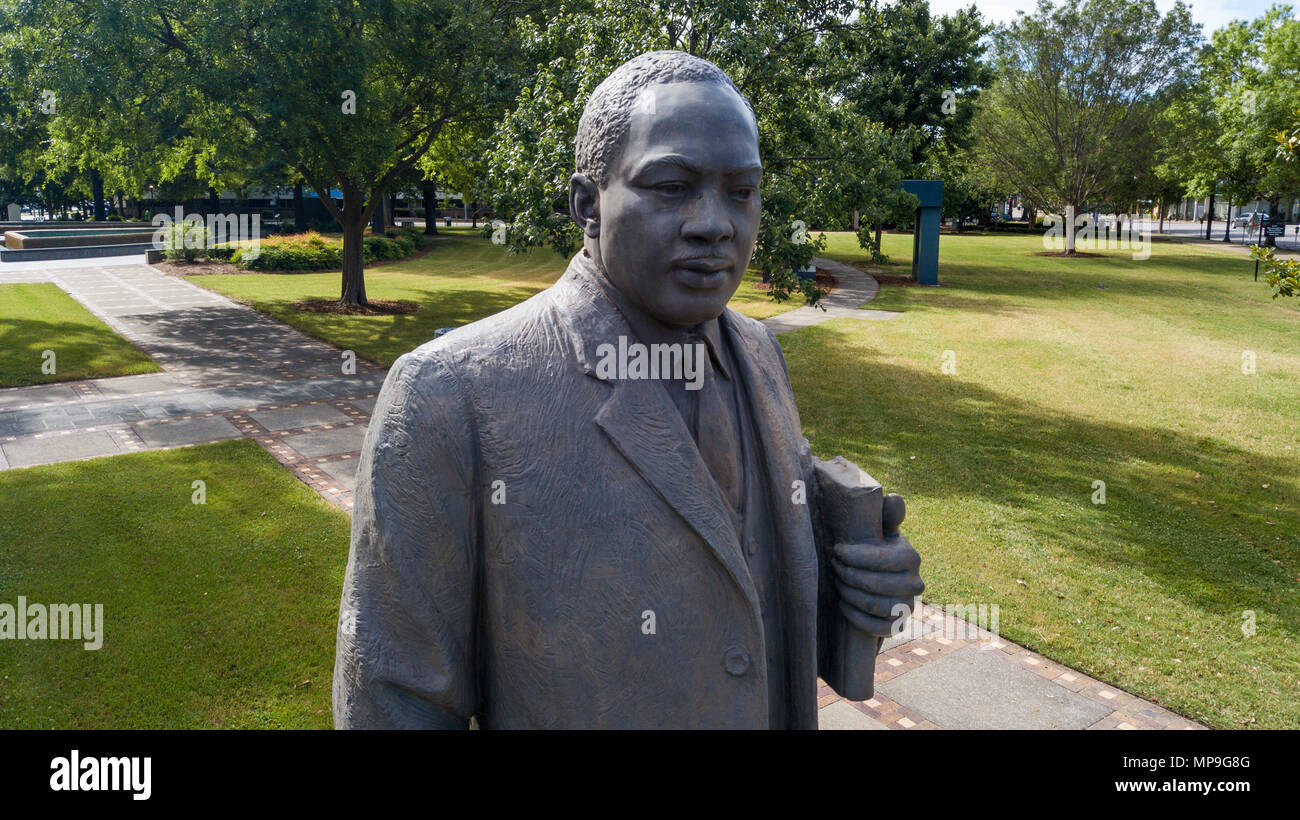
1227, 224
97, 188
1273, 214
299, 209
354, 280
378, 219
1162, 214
1209, 216
353, 222
430, 192
474, 224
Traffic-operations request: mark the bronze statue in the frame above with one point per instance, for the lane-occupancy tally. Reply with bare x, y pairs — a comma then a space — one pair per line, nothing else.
596, 508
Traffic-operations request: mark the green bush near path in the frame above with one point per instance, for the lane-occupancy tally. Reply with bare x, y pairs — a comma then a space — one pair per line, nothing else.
463, 278
315, 251
216, 615
39, 317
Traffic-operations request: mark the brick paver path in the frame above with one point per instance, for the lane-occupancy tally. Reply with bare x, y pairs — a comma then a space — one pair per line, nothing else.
229, 371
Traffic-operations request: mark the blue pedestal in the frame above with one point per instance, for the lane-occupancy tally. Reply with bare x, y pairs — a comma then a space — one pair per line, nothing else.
925, 236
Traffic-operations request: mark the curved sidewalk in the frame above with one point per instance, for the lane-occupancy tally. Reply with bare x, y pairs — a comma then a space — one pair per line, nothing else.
853, 289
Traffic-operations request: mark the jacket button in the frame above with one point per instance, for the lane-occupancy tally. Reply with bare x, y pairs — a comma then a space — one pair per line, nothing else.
736, 661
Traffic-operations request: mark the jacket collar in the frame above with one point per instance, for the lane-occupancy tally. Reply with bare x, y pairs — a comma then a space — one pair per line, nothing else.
642, 422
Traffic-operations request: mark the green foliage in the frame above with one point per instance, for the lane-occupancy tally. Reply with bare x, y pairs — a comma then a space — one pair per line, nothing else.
312, 251
1225, 135
1078, 88
347, 95
188, 240
820, 75
1283, 274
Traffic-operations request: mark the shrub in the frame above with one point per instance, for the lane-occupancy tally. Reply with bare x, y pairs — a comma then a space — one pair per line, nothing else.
186, 240
312, 251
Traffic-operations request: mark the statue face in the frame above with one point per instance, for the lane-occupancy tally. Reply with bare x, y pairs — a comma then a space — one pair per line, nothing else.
680, 210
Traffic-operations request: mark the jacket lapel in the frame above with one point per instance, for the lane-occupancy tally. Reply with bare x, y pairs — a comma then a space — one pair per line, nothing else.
645, 426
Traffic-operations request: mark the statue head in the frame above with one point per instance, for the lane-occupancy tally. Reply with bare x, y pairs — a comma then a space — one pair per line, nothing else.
666, 188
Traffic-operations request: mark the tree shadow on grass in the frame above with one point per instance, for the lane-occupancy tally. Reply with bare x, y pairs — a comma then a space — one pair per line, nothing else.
80, 352
974, 442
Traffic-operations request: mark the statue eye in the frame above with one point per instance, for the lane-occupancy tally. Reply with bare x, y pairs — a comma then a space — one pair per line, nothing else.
671, 188
744, 194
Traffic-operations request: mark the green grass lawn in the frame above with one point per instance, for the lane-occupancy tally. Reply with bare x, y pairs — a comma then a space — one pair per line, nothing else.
1068, 372
1061, 382
216, 615
38, 317
463, 278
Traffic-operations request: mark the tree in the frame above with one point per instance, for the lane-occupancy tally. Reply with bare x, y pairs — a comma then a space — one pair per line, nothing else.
825, 154
351, 94
1075, 84
920, 77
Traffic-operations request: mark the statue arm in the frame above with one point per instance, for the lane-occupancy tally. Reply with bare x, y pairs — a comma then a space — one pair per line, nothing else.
406, 640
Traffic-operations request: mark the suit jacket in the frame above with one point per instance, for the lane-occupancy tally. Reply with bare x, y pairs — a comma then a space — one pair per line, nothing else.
520, 523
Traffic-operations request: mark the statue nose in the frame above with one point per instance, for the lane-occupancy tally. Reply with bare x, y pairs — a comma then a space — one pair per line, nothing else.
708, 221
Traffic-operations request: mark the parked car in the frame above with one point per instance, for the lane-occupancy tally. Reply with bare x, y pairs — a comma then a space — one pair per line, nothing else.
1249, 219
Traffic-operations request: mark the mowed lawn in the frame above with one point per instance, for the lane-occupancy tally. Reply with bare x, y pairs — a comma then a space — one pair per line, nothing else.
39, 317
220, 614
1071, 372
1068, 372
462, 278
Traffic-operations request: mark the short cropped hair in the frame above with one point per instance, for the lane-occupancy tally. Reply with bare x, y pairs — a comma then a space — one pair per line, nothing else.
603, 127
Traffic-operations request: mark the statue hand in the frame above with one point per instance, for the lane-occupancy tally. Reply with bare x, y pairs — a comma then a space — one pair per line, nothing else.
873, 578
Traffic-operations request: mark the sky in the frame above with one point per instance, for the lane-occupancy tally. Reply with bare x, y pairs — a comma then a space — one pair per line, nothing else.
1211, 14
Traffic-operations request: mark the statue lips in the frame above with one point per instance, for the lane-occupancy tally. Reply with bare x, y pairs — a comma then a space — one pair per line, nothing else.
702, 272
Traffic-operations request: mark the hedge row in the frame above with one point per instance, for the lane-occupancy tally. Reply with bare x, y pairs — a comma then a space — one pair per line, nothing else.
312, 251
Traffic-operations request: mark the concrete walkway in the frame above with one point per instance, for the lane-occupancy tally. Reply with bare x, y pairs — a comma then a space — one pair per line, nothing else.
853, 289
230, 372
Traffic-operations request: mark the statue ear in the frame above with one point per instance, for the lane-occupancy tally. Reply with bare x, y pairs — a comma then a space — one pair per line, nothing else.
584, 204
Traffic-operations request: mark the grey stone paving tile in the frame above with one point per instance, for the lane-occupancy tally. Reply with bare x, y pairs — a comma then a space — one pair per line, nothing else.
916, 628
134, 385
344, 471
976, 688
30, 452
17, 396
842, 715
328, 442
185, 431
292, 418
366, 405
